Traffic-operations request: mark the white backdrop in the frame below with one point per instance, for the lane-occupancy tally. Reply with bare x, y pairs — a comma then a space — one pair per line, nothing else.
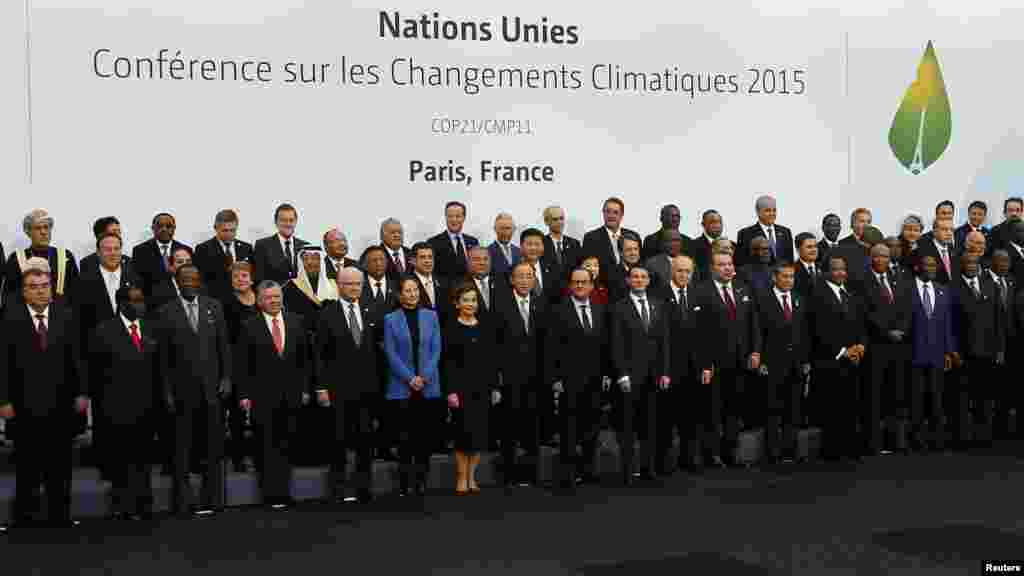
341, 153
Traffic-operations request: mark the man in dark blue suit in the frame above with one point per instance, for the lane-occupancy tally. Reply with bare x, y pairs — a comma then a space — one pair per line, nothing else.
780, 239
504, 254
976, 214
933, 350
451, 247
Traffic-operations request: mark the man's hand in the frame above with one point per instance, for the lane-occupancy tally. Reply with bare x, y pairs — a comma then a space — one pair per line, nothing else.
7, 411
851, 354
624, 384
805, 369
664, 382
453, 400
495, 397
606, 383
323, 398
245, 404
755, 360
896, 336
81, 404
763, 370
1000, 358
225, 387
706, 377
557, 387
957, 360
305, 398
947, 363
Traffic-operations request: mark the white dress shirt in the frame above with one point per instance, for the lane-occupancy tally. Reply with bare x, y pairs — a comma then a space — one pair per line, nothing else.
809, 267
676, 290
383, 282
165, 249
728, 287
428, 285
614, 238
578, 305
539, 275
270, 326
347, 308
282, 240
112, 280
128, 325
35, 321
921, 287
636, 303
789, 298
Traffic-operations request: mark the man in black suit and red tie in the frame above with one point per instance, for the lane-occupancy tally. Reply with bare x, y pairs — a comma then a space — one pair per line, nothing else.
780, 239
153, 257
400, 260
38, 225
378, 289
215, 256
806, 268
451, 247
940, 247
731, 346
682, 406
711, 222
433, 287
277, 257
41, 383
785, 362
606, 242
124, 371
565, 251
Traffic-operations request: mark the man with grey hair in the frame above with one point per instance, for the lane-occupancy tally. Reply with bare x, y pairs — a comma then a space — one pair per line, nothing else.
336, 253
780, 239
565, 251
504, 254
401, 259
38, 225
215, 256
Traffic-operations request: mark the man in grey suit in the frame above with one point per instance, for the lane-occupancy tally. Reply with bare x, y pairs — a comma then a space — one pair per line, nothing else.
196, 376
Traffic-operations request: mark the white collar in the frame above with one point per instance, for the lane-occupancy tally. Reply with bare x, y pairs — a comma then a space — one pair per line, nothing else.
780, 293
128, 324
32, 314
270, 318
637, 297
921, 283
676, 288
282, 239
425, 279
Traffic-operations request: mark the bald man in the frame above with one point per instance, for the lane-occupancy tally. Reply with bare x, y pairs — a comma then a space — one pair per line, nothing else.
780, 239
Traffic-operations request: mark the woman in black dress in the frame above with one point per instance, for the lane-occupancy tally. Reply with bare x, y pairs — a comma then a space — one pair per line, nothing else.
469, 367
239, 307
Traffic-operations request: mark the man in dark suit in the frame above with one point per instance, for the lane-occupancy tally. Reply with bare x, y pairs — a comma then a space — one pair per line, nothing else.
196, 373
433, 288
166, 289
124, 371
944, 210
757, 272
547, 285
859, 220
336, 257
42, 381
898, 271
979, 334
654, 243
640, 357
887, 299
605, 242
660, 264
780, 239
102, 227
564, 251
451, 247
678, 407
711, 221
731, 345
378, 290
489, 287
153, 257
977, 212
618, 276
831, 226
1015, 248
940, 247
215, 256
807, 271
504, 255
38, 226
577, 368
1001, 236
785, 361
276, 375
277, 257
839, 319
1007, 314
520, 319
933, 352
347, 378
400, 259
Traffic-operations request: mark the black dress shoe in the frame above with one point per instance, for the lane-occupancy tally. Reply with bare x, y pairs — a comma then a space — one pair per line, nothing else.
63, 524
203, 511
364, 497
421, 488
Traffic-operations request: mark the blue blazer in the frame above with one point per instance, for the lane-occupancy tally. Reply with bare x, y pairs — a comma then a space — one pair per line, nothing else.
398, 351
931, 339
499, 266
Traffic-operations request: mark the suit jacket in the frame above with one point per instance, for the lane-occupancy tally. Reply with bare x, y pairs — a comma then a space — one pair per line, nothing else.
928, 248
757, 276
93, 303
346, 369
551, 285
803, 283
332, 270
931, 338
126, 381
269, 379
726, 343
702, 258
269, 262
652, 246
150, 264
446, 264
836, 326
883, 316
387, 301
498, 291
642, 355
683, 336
193, 364
1006, 309
398, 351
783, 243
1016, 262
213, 264
824, 248
977, 330
12, 275
575, 358
519, 352
92, 262
786, 342
572, 253
442, 305
960, 235
40, 384
660, 269
392, 271
499, 265
597, 243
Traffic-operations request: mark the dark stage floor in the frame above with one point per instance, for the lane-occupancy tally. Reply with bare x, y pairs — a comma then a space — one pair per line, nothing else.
934, 514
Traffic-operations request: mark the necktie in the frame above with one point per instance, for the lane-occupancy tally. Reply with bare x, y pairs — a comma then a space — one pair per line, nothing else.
928, 300
1002, 292
508, 253
645, 316
558, 252
460, 250
524, 311
353, 325
289, 256
538, 286
729, 302
844, 297
945, 261
886, 293
428, 286
136, 339
41, 332
278, 336
484, 293
165, 258
787, 312
683, 308
771, 240
812, 272
376, 291
615, 248
587, 326
193, 316
974, 288
398, 262
229, 251
112, 290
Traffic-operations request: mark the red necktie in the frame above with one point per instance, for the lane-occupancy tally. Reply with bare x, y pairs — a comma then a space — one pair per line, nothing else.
278, 337
729, 302
398, 263
787, 312
135, 337
41, 333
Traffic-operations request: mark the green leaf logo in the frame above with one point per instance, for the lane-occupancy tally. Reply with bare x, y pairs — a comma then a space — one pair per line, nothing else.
923, 124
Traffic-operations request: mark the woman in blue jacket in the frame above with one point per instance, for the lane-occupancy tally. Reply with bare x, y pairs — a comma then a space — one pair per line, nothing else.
412, 346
